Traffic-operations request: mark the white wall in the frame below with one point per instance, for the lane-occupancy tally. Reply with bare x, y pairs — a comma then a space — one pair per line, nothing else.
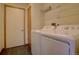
62, 14
37, 16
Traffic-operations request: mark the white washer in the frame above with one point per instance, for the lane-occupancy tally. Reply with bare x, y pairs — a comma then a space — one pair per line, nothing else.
48, 42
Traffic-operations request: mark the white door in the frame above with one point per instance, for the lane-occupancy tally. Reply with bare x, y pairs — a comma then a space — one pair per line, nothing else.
14, 27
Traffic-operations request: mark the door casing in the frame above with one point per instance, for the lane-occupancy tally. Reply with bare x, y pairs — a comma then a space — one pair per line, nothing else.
5, 22
29, 26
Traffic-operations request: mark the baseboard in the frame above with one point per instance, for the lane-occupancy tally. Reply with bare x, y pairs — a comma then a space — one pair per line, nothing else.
27, 44
12, 47
2, 50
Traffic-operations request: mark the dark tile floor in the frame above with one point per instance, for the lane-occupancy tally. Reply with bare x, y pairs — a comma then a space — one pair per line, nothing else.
20, 50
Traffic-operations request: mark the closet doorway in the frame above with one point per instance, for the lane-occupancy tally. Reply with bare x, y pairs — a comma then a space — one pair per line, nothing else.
14, 26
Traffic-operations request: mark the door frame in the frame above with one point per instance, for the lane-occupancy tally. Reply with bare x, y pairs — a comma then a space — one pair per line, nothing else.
29, 26
5, 22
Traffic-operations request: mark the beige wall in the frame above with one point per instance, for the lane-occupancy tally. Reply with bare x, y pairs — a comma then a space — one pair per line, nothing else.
37, 16
1, 27
62, 14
